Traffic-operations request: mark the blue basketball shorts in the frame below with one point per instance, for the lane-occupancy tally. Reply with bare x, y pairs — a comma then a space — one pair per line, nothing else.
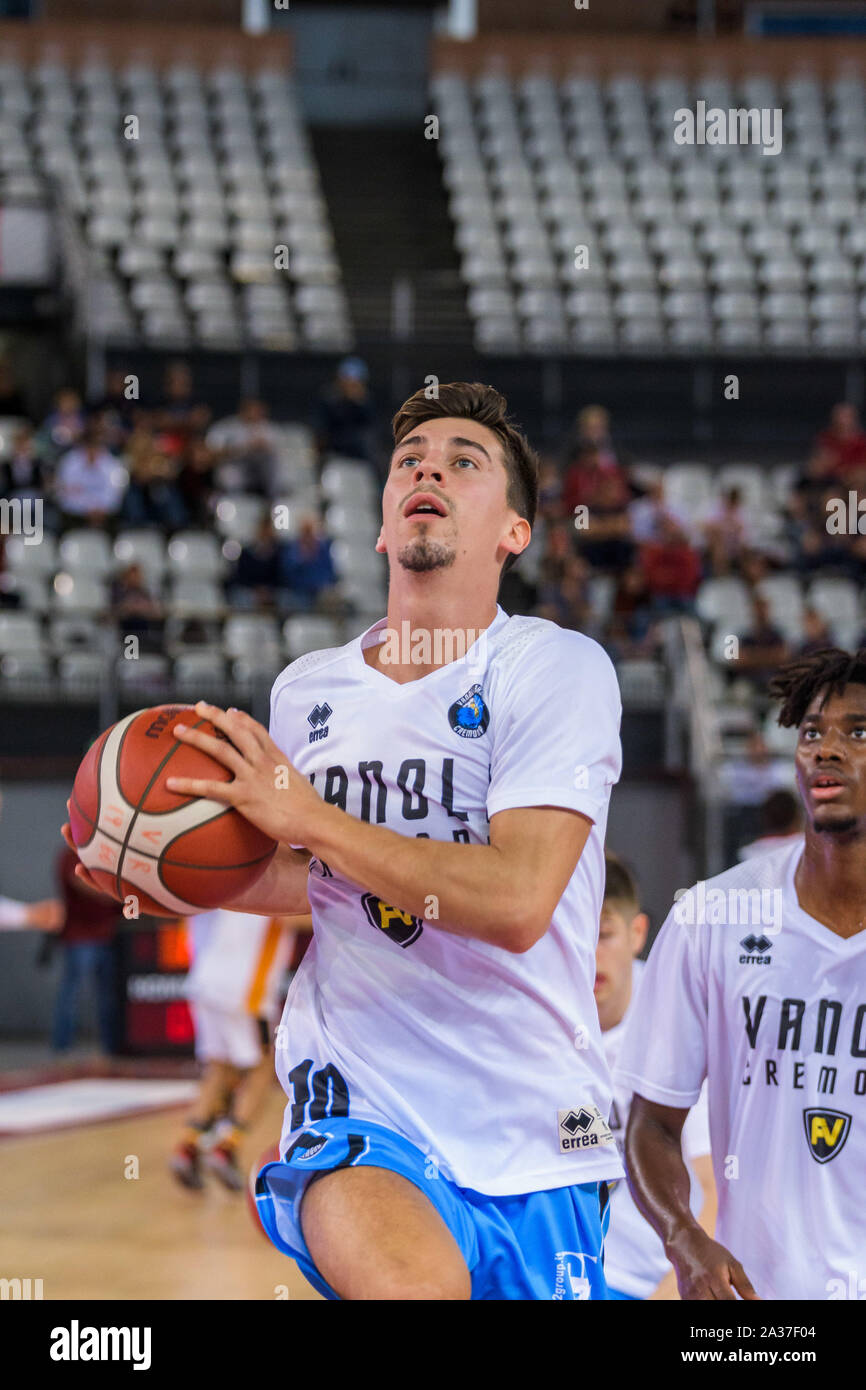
538, 1245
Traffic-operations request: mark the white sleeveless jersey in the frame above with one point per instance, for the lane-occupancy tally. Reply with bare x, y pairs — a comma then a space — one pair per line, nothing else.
634, 1258
488, 1061
239, 960
745, 988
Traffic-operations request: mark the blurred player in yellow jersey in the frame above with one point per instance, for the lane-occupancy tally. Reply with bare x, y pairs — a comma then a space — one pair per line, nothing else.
234, 988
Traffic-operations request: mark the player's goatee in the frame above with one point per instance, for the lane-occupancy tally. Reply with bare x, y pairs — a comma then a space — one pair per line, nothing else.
839, 827
422, 555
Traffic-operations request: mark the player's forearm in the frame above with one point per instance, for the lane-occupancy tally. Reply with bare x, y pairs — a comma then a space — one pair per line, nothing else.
467, 890
658, 1178
282, 888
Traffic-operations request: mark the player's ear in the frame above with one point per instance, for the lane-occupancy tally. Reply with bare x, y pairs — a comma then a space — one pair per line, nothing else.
380, 543
637, 931
518, 534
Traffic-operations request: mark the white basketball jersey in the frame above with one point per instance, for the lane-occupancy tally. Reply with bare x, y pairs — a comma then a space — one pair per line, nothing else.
634, 1257
746, 989
239, 960
490, 1062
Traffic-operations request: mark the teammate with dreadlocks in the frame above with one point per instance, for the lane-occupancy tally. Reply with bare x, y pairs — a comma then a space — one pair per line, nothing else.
758, 983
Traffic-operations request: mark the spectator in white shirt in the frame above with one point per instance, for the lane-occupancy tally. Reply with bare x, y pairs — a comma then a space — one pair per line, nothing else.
90, 482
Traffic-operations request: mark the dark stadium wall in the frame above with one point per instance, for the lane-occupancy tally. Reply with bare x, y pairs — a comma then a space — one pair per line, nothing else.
360, 64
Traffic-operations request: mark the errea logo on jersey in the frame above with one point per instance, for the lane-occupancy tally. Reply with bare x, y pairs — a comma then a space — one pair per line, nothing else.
583, 1128
756, 948
318, 719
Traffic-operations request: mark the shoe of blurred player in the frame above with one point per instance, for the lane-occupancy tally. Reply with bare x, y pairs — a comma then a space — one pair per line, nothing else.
185, 1164
222, 1161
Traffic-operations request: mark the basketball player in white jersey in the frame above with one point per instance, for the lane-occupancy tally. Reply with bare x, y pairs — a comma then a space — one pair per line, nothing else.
235, 988
443, 807
758, 982
635, 1265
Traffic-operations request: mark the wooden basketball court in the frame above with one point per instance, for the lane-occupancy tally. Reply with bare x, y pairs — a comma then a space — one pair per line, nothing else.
72, 1218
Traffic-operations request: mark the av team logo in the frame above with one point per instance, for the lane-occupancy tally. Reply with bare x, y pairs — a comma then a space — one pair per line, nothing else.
826, 1132
398, 926
469, 716
318, 719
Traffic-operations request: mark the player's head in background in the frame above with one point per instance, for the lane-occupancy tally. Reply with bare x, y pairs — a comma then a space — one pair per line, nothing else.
621, 936
823, 696
781, 814
462, 454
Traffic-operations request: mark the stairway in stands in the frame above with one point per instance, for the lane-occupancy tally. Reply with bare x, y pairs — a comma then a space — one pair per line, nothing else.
389, 214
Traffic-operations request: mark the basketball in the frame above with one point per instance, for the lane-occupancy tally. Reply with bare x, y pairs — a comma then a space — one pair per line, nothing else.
176, 855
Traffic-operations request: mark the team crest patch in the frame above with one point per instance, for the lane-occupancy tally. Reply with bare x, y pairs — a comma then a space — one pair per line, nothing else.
398, 926
469, 716
826, 1132
582, 1128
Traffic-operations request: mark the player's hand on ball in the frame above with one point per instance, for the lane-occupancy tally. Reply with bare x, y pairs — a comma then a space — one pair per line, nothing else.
81, 873
705, 1269
266, 788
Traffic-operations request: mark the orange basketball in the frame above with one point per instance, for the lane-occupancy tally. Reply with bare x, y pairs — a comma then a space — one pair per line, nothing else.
175, 854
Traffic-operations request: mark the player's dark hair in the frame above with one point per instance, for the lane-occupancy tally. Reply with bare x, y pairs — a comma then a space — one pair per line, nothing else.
831, 669
465, 400
780, 813
619, 882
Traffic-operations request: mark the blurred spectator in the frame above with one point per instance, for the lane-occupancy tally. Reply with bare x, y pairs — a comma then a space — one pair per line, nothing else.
781, 820
11, 400
245, 446
763, 649
117, 410
606, 542
750, 778
197, 480
133, 604
87, 939
549, 491
345, 418
727, 532
563, 577
844, 442
177, 401
629, 629
672, 570
258, 571
307, 568
24, 473
590, 473
153, 497
64, 426
816, 632
591, 431
648, 512
90, 482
